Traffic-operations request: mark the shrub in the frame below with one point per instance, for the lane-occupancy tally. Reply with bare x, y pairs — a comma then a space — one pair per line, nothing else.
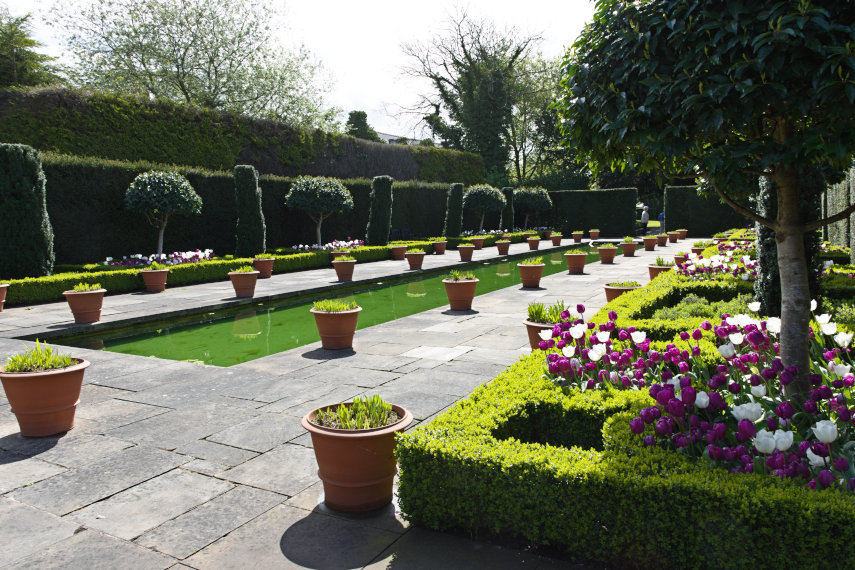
702, 214
453, 211
483, 198
26, 234
251, 231
158, 195
531, 201
334, 305
320, 198
507, 220
380, 215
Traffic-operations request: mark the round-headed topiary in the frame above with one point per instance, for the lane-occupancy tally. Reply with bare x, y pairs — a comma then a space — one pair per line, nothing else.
320, 197
158, 195
380, 215
250, 230
453, 211
532, 200
483, 198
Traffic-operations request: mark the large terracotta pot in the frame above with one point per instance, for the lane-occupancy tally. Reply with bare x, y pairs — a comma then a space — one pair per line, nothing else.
533, 330
85, 305
244, 283
594, 234
465, 251
673, 236
526, 235
533, 243
682, 233
679, 259
154, 279
344, 269
628, 248
460, 293
650, 243
556, 239
698, 250
531, 274
662, 240
613, 293
546, 234
3, 287
478, 242
415, 259
654, 270
336, 328
398, 251
264, 266
439, 247
44, 402
577, 236
576, 262
607, 254
503, 246
357, 467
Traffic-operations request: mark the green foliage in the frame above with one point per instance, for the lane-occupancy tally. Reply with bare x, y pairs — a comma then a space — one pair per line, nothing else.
20, 63
531, 201
457, 275
82, 287
366, 412
612, 210
703, 215
531, 261
453, 226
700, 308
380, 215
251, 232
546, 314
624, 284
320, 197
155, 266
357, 126
660, 262
483, 198
38, 359
507, 221
334, 305
158, 195
244, 269
344, 258
26, 234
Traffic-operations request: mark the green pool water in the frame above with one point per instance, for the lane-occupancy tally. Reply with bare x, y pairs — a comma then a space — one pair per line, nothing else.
268, 329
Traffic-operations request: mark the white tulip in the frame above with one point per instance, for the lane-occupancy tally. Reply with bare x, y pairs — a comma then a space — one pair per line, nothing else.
568, 351
603, 336
773, 325
751, 411
783, 439
823, 318
545, 334
843, 339
829, 329
597, 352
727, 350
758, 391
840, 369
764, 441
755, 306
736, 338
825, 431
577, 331
812, 305
638, 337
702, 400
815, 460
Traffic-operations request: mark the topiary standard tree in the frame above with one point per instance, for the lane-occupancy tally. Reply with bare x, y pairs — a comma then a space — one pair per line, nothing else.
158, 195
320, 197
507, 221
453, 226
380, 215
531, 201
251, 231
26, 235
483, 198
726, 91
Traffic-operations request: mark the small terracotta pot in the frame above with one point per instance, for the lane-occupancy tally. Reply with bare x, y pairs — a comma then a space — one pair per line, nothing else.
533, 243
546, 234
526, 235
673, 236
662, 241
679, 259
628, 248
154, 279
613, 293
650, 243
244, 283
503, 246
576, 262
682, 233
85, 305
44, 402
607, 254
439, 247
654, 270
460, 293
531, 274
344, 269
533, 330
336, 254
594, 234
556, 239
415, 259
357, 467
698, 250
478, 242
264, 266
336, 329
577, 236
465, 251
398, 251
3, 287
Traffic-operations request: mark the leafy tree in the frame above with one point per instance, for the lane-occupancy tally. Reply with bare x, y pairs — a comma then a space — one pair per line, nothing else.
20, 64
483, 198
210, 53
158, 195
727, 91
531, 201
357, 126
320, 197
250, 229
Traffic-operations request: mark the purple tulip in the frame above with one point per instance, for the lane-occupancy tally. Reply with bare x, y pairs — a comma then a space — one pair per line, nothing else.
803, 447
636, 426
697, 334
772, 424
649, 440
819, 448
734, 388
706, 325
612, 315
747, 429
755, 380
852, 484
663, 397
580, 308
810, 407
841, 464
787, 378
654, 389
777, 365
676, 408
688, 395
825, 478
785, 410
663, 427
679, 440
716, 402
845, 414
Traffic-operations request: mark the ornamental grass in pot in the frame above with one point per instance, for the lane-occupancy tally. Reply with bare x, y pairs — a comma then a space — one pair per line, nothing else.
503, 246
85, 301
533, 243
576, 260
594, 233
460, 289
43, 389
243, 280
616, 289
683, 232
439, 246
680, 257
555, 238
531, 270
354, 446
661, 240
577, 235
336, 320
649, 243
344, 266
465, 250
673, 236
699, 246
264, 265
398, 251
660, 266
478, 242
628, 246
607, 253
542, 318
154, 277
415, 258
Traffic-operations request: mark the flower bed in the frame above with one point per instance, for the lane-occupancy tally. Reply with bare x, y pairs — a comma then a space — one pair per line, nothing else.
174, 258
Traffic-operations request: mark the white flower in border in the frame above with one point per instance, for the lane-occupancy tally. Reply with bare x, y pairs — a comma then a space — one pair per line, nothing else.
702, 400
638, 337
568, 351
577, 331
736, 338
812, 305
545, 334
815, 460
823, 318
764, 441
843, 339
597, 352
839, 369
758, 391
755, 306
751, 411
829, 329
727, 350
603, 336
783, 439
773, 325
825, 431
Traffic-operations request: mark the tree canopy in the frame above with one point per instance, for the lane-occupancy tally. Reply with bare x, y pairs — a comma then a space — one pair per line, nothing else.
158, 195
357, 126
320, 197
483, 198
531, 200
20, 63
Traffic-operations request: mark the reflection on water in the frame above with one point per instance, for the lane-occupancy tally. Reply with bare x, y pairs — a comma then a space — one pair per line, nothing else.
503, 270
416, 289
246, 326
556, 258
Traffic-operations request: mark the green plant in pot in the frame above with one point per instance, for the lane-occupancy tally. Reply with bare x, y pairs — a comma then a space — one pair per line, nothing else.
542, 317
660, 266
607, 253
336, 320
460, 289
243, 280
618, 288
344, 266
43, 389
354, 446
415, 258
531, 271
85, 301
154, 277
628, 246
576, 259
263, 263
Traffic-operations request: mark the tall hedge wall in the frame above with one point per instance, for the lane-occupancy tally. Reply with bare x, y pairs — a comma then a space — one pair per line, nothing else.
703, 216
611, 210
836, 198
127, 128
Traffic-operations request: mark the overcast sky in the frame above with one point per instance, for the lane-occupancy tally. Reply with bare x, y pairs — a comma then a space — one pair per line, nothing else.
359, 43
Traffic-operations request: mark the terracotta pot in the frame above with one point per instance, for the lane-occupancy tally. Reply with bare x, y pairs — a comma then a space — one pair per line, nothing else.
531, 274
336, 254
460, 293
465, 251
556, 239
244, 283
85, 305
478, 242
673, 236
698, 250
594, 234
336, 329
357, 467
154, 279
679, 259
607, 254
3, 287
533, 330
662, 241
439, 247
546, 234
533, 243
398, 251
503, 247
613, 293
650, 243
719, 240
415, 259
45, 402
577, 236
654, 270
628, 248
576, 262
682, 233
264, 266
344, 269
526, 235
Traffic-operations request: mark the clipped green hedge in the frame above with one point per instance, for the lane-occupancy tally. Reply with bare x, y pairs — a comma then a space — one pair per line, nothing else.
703, 216
611, 210
519, 459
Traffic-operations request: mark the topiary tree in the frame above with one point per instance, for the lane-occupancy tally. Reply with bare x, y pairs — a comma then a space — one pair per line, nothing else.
250, 229
26, 235
727, 91
320, 197
507, 221
380, 215
453, 226
531, 201
483, 198
158, 195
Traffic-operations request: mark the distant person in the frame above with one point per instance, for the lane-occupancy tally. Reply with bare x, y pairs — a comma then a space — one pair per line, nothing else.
645, 218
662, 221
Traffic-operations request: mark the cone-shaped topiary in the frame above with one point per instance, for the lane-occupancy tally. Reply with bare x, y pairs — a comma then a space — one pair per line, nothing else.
26, 235
251, 231
483, 198
531, 201
158, 195
507, 221
453, 226
380, 215
320, 197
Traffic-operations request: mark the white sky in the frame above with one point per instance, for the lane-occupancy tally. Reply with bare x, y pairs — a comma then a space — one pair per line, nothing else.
359, 43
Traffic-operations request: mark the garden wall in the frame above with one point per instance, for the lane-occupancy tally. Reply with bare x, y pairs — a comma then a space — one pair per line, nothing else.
611, 210
836, 198
703, 216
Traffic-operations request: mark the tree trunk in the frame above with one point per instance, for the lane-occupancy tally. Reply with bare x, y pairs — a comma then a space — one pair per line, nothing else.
318, 230
160, 236
481, 227
525, 224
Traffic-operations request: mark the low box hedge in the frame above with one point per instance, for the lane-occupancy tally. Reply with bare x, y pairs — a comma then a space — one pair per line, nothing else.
518, 458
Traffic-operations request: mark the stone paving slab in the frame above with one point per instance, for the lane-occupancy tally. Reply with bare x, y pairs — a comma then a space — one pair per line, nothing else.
287, 470
19, 471
25, 530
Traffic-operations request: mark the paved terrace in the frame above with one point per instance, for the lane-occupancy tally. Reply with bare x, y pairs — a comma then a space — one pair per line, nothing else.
175, 464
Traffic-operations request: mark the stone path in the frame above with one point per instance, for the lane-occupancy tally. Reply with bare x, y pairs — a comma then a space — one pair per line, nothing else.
176, 465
